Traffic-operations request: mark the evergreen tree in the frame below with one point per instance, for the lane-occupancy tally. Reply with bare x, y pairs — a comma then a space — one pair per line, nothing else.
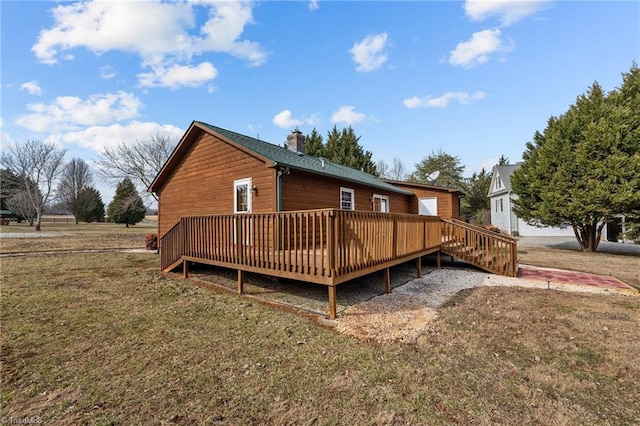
9, 185
342, 147
448, 168
92, 209
582, 170
127, 206
314, 144
332, 146
503, 161
476, 193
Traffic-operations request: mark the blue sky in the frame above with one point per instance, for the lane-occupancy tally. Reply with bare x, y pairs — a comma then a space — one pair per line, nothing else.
475, 79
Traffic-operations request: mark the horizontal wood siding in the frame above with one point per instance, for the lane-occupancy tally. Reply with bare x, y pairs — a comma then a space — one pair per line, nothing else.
448, 202
307, 191
202, 183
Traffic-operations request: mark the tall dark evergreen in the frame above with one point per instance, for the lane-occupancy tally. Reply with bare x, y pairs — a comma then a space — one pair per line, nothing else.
314, 144
342, 147
476, 193
9, 185
127, 206
582, 170
92, 209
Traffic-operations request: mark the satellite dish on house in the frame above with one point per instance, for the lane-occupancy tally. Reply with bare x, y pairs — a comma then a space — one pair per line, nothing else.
433, 176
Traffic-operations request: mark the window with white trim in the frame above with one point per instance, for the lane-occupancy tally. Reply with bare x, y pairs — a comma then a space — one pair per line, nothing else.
498, 182
499, 205
347, 199
380, 203
242, 196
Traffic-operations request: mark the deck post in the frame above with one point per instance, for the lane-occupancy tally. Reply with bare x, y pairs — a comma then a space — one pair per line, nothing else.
387, 280
240, 282
185, 269
332, 302
419, 267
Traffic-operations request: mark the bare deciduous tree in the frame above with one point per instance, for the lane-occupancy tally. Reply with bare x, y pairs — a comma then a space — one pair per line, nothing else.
20, 204
76, 177
383, 169
398, 170
140, 161
38, 165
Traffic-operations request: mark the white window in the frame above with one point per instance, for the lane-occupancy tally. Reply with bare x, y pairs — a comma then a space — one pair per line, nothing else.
380, 203
347, 199
242, 196
499, 205
428, 206
498, 182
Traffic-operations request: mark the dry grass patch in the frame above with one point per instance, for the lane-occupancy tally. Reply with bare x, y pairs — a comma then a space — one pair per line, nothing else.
106, 339
84, 236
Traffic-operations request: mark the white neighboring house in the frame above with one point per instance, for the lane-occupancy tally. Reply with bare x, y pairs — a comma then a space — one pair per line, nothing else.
502, 215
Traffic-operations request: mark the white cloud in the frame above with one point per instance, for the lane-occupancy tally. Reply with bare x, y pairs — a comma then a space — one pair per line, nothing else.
369, 54
346, 114
107, 73
314, 4
508, 11
5, 137
285, 119
32, 87
99, 137
463, 98
178, 75
69, 112
479, 49
163, 34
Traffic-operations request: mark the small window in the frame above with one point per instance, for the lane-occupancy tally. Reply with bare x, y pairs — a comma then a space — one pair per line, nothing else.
347, 199
498, 182
499, 205
380, 203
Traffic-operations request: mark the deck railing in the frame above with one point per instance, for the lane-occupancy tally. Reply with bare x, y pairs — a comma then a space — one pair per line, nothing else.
327, 246
488, 250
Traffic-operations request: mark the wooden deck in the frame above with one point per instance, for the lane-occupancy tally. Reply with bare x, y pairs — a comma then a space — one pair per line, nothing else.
327, 246
322, 246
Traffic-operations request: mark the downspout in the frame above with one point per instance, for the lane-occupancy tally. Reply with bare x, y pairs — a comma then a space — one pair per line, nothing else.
510, 214
282, 171
279, 190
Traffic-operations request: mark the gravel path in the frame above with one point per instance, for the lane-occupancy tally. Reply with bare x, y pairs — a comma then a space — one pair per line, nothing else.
409, 310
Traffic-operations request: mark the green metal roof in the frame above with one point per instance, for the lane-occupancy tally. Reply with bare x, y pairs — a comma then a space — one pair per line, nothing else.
286, 158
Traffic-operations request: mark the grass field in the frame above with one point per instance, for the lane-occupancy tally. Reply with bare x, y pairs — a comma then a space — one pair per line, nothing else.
105, 339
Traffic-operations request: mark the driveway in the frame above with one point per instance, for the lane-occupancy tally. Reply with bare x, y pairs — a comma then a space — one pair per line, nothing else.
572, 243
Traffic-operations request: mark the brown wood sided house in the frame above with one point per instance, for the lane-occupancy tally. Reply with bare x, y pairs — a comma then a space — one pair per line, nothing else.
431, 200
231, 200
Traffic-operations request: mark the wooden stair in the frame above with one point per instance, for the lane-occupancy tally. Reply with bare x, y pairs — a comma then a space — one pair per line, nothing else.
488, 250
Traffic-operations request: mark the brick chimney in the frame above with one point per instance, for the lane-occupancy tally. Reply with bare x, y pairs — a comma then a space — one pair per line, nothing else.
295, 141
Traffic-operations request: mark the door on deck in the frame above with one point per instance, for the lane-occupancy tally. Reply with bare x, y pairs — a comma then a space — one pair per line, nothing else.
242, 205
